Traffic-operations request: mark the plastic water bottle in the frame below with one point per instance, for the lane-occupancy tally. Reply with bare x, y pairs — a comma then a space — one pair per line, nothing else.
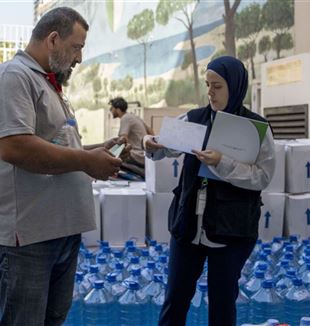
89, 259
254, 283
133, 264
100, 307
306, 277
296, 302
285, 282
65, 134
161, 263
75, 315
130, 252
265, 303
280, 269
198, 312
305, 321
242, 305
153, 288
303, 266
135, 310
120, 272
145, 257
152, 246
103, 267
156, 304
91, 277
148, 272
276, 246
113, 286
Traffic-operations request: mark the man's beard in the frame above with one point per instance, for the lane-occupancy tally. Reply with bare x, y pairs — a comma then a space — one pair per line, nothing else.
61, 67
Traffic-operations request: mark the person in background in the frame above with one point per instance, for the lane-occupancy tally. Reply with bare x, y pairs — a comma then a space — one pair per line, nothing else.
46, 198
133, 129
209, 218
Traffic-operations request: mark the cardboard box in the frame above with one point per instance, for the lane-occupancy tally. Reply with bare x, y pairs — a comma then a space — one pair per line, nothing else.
123, 214
277, 183
297, 215
91, 238
157, 215
163, 175
297, 171
272, 216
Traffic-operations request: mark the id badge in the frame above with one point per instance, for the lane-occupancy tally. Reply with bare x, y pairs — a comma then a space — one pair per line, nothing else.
201, 201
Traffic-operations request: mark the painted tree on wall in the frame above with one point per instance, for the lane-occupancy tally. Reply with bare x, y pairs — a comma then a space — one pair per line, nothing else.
248, 25
167, 9
264, 46
278, 17
139, 29
229, 19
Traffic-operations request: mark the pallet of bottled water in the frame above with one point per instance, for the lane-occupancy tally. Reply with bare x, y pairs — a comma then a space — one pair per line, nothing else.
126, 286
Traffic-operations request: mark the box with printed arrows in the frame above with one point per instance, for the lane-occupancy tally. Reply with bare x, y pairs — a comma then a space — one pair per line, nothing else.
272, 215
163, 175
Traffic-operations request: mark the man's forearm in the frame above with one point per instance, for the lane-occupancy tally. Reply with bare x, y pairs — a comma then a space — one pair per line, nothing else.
36, 155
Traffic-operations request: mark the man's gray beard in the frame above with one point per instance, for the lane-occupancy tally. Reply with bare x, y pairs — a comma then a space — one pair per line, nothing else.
62, 76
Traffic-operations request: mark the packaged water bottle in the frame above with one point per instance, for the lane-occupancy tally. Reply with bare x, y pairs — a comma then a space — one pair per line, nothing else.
152, 246
280, 269
113, 286
305, 321
92, 276
296, 302
198, 312
161, 263
254, 283
156, 304
88, 260
65, 135
106, 253
135, 309
129, 252
100, 307
145, 257
120, 272
303, 266
75, 315
133, 264
242, 305
306, 277
276, 246
117, 257
136, 277
148, 272
265, 303
154, 287
103, 266
285, 282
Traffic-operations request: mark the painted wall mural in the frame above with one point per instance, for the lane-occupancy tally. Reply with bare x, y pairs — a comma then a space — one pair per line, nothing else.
155, 52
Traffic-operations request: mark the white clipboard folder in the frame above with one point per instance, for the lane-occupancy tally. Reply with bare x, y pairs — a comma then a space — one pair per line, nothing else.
237, 137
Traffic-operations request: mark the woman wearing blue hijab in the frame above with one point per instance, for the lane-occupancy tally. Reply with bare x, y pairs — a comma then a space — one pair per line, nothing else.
210, 218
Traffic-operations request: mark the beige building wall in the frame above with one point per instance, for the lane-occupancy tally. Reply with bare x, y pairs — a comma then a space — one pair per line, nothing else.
302, 26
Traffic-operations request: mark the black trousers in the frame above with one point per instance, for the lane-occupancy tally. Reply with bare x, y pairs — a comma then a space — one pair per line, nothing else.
186, 265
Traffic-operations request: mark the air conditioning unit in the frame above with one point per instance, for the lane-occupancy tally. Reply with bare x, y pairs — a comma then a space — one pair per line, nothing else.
285, 96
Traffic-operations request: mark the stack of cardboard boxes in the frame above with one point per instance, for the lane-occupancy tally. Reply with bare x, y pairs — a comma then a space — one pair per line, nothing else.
161, 178
286, 209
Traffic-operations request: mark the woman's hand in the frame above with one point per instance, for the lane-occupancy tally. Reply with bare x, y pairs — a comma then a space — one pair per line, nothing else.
150, 145
208, 157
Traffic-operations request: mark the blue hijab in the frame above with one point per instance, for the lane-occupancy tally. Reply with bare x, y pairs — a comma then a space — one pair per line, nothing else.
236, 76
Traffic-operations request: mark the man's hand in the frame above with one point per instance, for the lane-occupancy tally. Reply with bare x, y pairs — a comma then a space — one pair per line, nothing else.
208, 157
101, 164
150, 145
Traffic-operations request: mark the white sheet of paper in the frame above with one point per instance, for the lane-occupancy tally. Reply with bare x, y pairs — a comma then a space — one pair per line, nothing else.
181, 135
